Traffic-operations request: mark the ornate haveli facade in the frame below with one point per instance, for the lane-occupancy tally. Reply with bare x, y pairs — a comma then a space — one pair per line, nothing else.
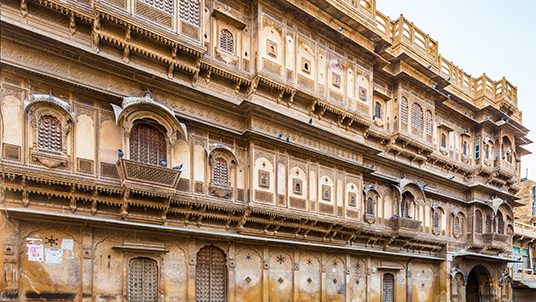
233, 150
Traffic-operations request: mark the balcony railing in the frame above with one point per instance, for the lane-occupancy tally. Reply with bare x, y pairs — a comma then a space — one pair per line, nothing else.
504, 168
140, 174
407, 34
405, 226
496, 240
525, 230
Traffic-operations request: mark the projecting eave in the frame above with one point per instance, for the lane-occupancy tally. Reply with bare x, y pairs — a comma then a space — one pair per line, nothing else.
478, 256
356, 29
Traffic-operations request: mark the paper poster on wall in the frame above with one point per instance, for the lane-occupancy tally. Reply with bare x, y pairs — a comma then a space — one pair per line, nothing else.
67, 244
53, 256
35, 252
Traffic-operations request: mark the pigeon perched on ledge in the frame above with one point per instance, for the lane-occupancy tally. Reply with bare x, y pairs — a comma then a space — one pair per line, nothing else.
120, 153
177, 167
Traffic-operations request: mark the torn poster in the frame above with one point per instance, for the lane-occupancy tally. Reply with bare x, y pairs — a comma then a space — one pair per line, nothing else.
67, 244
35, 252
53, 256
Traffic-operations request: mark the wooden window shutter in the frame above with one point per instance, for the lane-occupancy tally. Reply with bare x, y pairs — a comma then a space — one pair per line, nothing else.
147, 144
49, 134
220, 172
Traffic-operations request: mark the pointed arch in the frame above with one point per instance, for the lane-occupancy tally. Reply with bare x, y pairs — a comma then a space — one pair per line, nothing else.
416, 117
211, 275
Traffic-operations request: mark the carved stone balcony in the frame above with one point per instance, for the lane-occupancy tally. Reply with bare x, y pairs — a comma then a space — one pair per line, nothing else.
495, 240
220, 191
405, 226
145, 176
504, 168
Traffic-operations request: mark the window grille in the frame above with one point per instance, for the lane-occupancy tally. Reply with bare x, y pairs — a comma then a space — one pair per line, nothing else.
162, 5
226, 41
488, 223
142, 280
436, 219
404, 110
500, 223
478, 222
49, 134
378, 110
220, 172
443, 140
370, 206
147, 144
457, 230
429, 122
210, 275
416, 116
189, 11
486, 151
477, 148
404, 207
388, 288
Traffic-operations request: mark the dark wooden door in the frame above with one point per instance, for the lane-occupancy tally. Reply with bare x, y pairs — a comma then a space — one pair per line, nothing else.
211, 275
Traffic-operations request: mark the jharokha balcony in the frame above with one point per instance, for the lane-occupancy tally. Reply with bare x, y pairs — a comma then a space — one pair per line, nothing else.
404, 225
141, 176
496, 241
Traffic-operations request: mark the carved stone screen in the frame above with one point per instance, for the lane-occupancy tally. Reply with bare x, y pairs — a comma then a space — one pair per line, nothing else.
147, 144
49, 136
220, 174
226, 41
210, 275
142, 280
388, 288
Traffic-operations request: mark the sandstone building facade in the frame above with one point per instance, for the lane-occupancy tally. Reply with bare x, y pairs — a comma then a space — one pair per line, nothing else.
524, 249
233, 150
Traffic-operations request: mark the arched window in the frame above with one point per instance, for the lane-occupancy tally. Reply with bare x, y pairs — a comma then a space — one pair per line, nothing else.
404, 110
416, 116
429, 122
407, 205
388, 287
370, 206
148, 143
486, 151
49, 134
443, 140
189, 11
378, 110
220, 172
478, 222
488, 223
226, 41
500, 223
464, 148
436, 221
211, 275
457, 226
142, 280
404, 207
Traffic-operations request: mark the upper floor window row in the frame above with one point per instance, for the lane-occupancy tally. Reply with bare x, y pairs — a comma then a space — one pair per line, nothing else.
188, 9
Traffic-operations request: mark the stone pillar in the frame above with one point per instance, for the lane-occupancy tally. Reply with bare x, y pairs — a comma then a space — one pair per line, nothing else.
265, 273
192, 261
87, 263
444, 281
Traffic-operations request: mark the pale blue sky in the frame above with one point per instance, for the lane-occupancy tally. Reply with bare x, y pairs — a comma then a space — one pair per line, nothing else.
491, 36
